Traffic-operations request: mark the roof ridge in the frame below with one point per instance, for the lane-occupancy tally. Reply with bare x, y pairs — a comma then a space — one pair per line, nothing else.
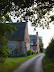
19, 34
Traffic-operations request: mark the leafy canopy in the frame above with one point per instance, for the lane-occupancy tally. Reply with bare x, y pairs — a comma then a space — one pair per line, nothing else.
4, 28
37, 11
41, 44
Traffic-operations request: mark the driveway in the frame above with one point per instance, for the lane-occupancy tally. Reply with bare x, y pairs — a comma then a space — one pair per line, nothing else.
32, 65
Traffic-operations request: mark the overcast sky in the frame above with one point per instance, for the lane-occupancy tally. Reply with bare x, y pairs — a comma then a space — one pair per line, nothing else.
46, 34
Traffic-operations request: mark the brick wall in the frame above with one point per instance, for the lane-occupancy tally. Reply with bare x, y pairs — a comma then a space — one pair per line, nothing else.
38, 48
20, 46
16, 47
33, 48
27, 38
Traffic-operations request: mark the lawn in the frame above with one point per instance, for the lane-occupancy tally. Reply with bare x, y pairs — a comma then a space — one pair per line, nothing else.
48, 64
11, 63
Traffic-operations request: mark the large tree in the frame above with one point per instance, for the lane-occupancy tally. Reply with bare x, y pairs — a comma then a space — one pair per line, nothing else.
41, 44
4, 28
37, 11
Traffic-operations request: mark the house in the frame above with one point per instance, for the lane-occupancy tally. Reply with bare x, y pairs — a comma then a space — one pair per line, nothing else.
19, 42
34, 43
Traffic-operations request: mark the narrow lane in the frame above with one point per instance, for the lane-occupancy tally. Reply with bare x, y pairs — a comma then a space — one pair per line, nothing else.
38, 64
32, 65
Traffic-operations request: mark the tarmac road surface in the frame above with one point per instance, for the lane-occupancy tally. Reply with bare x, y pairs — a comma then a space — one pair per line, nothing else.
32, 65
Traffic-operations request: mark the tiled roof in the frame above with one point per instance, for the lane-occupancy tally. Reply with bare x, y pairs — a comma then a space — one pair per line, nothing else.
33, 39
19, 33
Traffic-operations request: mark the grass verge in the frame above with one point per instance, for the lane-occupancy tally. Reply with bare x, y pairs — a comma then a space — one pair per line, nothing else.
48, 64
11, 63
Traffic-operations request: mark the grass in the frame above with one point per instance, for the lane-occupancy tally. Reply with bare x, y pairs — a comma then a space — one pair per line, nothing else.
48, 64
11, 63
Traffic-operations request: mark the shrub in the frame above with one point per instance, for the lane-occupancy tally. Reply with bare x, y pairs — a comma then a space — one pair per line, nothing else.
4, 28
29, 52
2, 59
48, 64
37, 52
4, 52
33, 52
23, 54
50, 49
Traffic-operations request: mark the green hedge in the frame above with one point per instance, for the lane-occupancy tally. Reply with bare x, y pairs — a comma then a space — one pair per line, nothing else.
50, 49
29, 52
48, 64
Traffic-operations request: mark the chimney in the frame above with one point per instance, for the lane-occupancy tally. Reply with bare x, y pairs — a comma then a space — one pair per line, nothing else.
36, 33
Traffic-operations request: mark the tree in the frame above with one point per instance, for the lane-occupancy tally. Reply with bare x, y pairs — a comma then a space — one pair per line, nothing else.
4, 28
36, 11
50, 49
41, 44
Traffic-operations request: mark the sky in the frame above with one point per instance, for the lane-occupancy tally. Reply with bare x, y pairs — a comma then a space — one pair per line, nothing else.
46, 34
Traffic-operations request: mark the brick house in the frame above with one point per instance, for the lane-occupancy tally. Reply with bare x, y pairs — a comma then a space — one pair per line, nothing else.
19, 42
34, 43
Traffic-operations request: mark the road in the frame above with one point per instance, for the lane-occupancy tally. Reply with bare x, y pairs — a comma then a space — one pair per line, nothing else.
32, 65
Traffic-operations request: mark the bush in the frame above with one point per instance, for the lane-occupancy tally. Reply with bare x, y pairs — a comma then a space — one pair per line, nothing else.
37, 52
50, 49
29, 52
23, 54
2, 59
48, 64
32, 52
4, 51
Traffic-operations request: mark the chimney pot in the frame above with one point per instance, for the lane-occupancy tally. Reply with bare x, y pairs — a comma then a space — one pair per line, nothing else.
36, 33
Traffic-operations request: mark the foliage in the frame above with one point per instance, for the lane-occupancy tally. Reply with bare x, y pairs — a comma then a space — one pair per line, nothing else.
41, 44
33, 52
50, 49
4, 28
48, 64
29, 52
52, 18
11, 63
36, 11
37, 52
